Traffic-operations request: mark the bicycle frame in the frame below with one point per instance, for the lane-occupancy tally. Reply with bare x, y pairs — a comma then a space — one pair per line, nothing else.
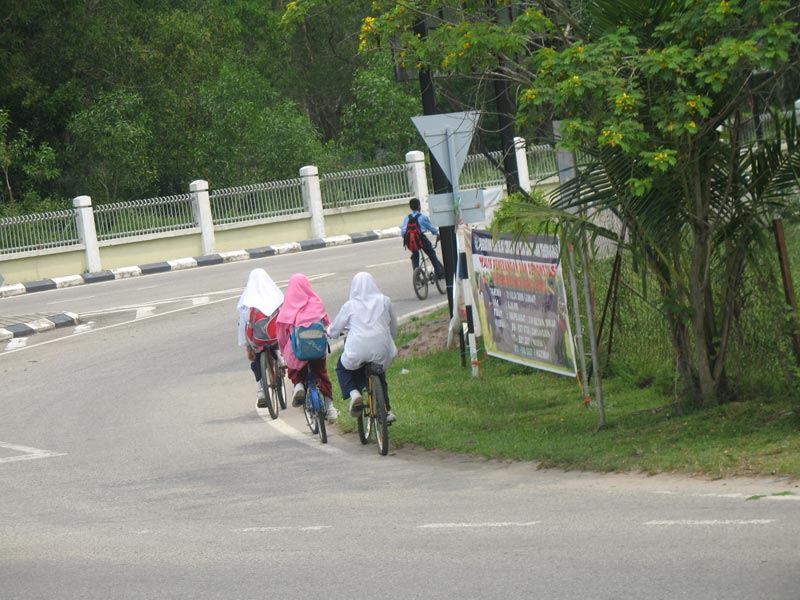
314, 408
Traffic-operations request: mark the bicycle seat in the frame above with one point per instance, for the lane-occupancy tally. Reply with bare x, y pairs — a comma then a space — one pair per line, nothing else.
374, 368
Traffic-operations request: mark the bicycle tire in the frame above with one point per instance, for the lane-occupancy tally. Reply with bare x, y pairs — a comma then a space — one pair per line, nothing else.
280, 385
441, 285
310, 414
364, 424
379, 416
420, 282
265, 364
322, 428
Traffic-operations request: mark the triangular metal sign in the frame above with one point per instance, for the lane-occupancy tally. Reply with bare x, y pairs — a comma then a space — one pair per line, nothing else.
435, 129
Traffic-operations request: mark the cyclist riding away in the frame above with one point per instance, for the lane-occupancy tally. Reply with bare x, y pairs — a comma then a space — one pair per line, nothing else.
415, 225
302, 307
259, 305
372, 325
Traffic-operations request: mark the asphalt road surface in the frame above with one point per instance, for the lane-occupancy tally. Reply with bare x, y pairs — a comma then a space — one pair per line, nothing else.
134, 464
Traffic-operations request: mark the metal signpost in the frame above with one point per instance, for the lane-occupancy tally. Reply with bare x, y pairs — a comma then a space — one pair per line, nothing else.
448, 137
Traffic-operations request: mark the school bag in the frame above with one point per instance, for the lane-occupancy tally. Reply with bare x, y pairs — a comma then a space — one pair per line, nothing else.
413, 236
309, 342
261, 329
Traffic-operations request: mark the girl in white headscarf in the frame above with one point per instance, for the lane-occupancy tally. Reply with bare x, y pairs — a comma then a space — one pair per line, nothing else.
262, 294
371, 323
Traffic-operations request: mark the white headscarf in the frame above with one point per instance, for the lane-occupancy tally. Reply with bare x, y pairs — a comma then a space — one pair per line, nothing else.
260, 292
367, 298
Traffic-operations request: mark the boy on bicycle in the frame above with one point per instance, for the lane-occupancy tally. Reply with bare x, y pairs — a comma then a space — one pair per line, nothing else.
415, 225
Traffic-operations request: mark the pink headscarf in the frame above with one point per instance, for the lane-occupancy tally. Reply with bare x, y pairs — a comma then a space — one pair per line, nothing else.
301, 305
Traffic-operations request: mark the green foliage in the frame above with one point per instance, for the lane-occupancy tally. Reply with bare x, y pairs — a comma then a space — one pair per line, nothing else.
660, 95
112, 145
511, 412
24, 166
377, 124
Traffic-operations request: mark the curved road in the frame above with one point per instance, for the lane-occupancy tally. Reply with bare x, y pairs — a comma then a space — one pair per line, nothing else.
134, 465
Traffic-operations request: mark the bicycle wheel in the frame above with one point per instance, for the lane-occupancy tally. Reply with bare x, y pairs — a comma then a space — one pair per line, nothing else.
323, 430
364, 424
420, 282
265, 364
441, 284
279, 384
310, 413
379, 416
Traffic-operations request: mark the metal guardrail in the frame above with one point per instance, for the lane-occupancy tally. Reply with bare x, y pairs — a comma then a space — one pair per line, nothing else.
263, 200
364, 186
25, 233
142, 217
250, 202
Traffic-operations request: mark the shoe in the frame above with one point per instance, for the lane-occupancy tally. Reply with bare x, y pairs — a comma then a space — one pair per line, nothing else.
390, 418
299, 395
260, 396
331, 414
356, 403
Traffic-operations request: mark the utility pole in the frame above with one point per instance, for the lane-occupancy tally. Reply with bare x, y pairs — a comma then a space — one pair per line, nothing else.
441, 184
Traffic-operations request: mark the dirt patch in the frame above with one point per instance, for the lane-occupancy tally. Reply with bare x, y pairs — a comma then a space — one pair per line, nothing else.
432, 337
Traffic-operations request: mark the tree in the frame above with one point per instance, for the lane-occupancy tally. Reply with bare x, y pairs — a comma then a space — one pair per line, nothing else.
23, 165
660, 94
112, 147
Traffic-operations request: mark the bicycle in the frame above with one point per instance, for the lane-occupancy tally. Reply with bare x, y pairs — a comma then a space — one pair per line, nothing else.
272, 380
373, 415
424, 275
314, 409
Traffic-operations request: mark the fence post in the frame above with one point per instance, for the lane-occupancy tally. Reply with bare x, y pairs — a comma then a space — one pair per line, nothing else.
87, 233
418, 178
312, 199
521, 152
201, 210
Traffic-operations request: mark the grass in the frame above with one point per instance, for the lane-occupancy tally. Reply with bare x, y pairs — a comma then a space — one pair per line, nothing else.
517, 413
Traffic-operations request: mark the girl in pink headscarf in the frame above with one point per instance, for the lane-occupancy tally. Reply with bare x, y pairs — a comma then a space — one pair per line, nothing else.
302, 306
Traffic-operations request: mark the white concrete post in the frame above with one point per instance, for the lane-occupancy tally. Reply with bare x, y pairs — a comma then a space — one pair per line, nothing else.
418, 178
312, 199
87, 233
201, 210
521, 153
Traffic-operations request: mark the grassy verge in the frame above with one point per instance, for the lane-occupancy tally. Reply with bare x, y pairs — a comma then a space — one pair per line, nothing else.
514, 412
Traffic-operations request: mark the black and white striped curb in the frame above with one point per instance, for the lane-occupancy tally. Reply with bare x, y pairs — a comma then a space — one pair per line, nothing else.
191, 262
37, 326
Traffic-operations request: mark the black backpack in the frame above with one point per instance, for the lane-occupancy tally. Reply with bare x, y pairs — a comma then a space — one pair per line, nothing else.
413, 236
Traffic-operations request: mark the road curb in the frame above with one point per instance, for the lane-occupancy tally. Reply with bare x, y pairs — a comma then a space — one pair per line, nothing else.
42, 285
38, 325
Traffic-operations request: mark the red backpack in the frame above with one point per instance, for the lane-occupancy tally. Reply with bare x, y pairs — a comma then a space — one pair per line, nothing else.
261, 329
412, 239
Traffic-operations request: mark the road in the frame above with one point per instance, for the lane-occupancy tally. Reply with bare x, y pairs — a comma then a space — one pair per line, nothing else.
134, 465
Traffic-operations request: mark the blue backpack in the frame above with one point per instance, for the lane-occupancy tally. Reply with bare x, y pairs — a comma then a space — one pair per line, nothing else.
309, 342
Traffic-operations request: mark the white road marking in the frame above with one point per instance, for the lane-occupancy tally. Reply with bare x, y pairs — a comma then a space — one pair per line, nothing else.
200, 300
692, 522
123, 323
734, 495
476, 525
16, 344
27, 453
72, 299
708, 495
386, 264
144, 311
84, 327
283, 528
302, 437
